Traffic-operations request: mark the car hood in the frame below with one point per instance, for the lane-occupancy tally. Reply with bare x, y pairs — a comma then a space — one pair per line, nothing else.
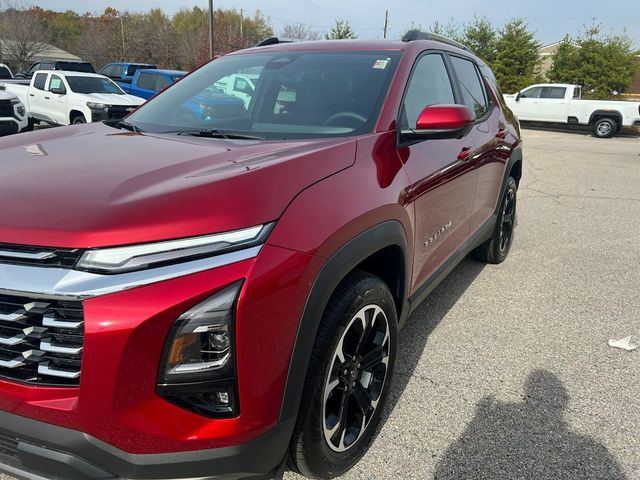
93, 185
4, 95
112, 99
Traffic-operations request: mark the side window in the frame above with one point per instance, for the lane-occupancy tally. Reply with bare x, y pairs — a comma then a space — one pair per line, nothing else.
108, 71
161, 82
241, 85
40, 81
118, 70
147, 81
34, 68
56, 83
471, 86
577, 93
553, 92
533, 92
429, 85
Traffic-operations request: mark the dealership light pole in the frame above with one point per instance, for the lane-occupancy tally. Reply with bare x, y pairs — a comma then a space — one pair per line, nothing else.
211, 36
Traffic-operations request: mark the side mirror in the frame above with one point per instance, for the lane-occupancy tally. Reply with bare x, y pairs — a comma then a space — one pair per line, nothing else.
59, 90
441, 121
518, 96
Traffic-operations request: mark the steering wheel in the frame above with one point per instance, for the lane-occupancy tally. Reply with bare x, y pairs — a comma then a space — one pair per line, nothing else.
352, 115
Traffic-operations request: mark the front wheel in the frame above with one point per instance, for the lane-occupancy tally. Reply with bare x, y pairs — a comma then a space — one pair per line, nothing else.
79, 119
605, 128
348, 380
496, 249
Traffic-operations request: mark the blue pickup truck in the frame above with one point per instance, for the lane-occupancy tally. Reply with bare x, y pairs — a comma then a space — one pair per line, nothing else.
124, 72
147, 82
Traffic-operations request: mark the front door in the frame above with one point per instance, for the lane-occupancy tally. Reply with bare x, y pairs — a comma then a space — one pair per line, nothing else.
442, 179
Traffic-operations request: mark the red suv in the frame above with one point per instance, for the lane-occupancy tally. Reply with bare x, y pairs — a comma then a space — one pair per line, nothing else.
198, 292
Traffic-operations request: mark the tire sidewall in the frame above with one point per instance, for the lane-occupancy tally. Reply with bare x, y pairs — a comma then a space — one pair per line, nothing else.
320, 455
611, 122
79, 120
499, 254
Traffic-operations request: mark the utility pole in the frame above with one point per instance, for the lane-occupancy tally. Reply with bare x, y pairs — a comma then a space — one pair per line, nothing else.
241, 33
386, 22
122, 30
211, 33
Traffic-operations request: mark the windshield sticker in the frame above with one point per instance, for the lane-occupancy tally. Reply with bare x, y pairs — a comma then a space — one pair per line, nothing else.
55, 83
381, 64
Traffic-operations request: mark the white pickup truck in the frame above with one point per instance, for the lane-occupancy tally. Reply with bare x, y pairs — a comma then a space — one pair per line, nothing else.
562, 103
63, 98
13, 114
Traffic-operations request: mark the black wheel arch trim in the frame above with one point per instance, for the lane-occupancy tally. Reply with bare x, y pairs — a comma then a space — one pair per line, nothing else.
599, 114
336, 268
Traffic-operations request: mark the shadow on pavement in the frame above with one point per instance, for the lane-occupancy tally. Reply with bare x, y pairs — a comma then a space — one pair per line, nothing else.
527, 440
413, 337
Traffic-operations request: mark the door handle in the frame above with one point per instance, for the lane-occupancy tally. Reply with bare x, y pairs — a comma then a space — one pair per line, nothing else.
32, 94
502, 133
464, 154
47, 98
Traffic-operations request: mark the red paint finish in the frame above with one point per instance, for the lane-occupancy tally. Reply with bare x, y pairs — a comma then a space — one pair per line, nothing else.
444, 117
97, 187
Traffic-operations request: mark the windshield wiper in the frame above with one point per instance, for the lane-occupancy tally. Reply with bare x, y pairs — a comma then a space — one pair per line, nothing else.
213, 133
128, 126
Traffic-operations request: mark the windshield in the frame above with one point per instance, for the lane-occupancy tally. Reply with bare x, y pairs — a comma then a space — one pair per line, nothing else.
93, 85
277, 95
76, 67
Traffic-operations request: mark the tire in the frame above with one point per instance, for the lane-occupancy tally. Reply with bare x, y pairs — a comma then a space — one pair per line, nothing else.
78, 119
318, 449
605, 127
30, 125
496, 249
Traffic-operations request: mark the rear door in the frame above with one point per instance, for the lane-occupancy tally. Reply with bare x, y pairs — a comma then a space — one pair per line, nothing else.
442, 180
489, 133
553, 106
37, 94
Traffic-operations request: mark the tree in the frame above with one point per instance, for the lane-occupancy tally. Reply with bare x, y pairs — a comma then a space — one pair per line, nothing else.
299, 31
341, 30
481, 37
604, 64
564, 68
451, 30
517, 59
23, 35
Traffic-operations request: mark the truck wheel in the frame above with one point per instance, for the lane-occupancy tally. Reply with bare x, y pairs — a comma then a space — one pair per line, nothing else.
30, 125
496, 249
605, 127
348, 379
78, 119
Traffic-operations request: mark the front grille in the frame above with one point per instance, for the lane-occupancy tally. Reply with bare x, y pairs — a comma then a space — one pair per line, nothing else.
41, 341
116, 112
39, 256
8, 446
6, 108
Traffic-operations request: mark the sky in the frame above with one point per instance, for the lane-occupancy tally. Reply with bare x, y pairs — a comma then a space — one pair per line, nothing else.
551, 19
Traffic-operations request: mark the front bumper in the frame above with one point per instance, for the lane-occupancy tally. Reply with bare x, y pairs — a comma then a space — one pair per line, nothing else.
35, 450
115, 421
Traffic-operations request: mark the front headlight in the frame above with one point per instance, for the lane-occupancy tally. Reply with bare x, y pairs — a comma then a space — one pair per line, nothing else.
97, 106
148, 255
197, 371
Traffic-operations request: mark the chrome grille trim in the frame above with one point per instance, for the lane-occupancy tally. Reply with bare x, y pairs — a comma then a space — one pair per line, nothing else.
41, 343
28, 256
61, 283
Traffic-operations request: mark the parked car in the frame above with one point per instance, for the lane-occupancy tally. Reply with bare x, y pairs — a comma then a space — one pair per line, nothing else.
64, 98
68, 66
147, 83
563, 104
212, 300
13, 114
124, 72
5, 72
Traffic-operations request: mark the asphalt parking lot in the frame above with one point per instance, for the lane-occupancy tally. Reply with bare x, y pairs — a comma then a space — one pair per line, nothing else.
505, 371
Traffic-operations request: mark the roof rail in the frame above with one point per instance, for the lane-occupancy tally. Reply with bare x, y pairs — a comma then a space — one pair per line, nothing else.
413, 35
272, 41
